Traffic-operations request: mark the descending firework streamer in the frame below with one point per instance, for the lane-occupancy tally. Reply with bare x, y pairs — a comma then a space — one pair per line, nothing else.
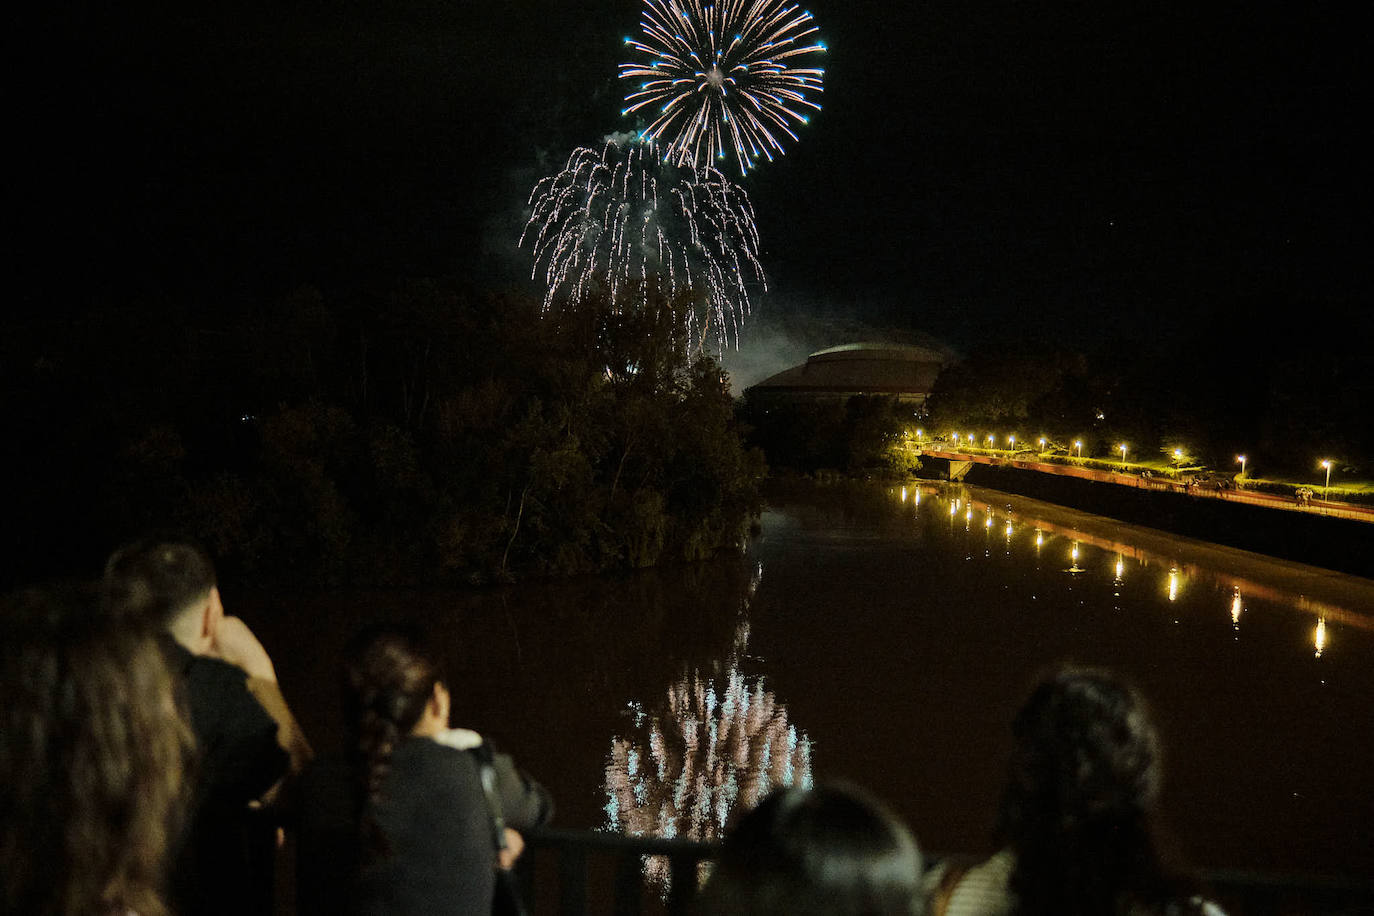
724, 76
624, 223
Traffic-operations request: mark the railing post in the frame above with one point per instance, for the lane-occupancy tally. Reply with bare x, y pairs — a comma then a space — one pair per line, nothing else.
683, 889
629, 884
572, 880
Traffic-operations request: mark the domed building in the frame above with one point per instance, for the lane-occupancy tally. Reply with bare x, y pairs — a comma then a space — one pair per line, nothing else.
902, 371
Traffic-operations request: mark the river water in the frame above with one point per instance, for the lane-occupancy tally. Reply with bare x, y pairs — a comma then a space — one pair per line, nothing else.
885, 635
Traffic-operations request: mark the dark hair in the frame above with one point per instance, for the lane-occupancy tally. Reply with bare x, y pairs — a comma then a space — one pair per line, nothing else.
157, 578
92, 761
389, 677
1079, 805
833, 849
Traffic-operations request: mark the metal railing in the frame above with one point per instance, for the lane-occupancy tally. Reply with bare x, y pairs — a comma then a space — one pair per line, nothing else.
579, 872
605, 873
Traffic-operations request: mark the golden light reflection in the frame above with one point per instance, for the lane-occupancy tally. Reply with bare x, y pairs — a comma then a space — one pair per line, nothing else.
1236, 608
1319, 638
1120, 567
1008, 531
903, 494
1182, 572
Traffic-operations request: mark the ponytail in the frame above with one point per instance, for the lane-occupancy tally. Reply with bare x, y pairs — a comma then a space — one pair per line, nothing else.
389, 679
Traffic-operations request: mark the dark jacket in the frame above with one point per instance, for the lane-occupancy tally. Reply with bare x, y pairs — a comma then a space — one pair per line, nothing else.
224, 862
439, 856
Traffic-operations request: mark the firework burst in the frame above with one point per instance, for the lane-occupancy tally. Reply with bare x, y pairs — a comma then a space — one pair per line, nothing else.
724, 77
628, 226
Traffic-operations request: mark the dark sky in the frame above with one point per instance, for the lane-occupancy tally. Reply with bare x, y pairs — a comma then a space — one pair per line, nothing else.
978, 171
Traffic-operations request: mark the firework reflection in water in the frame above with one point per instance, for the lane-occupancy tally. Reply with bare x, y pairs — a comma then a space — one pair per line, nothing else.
717, 745
625, 225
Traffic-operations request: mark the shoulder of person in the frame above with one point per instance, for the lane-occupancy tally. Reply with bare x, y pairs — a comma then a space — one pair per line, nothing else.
215, 672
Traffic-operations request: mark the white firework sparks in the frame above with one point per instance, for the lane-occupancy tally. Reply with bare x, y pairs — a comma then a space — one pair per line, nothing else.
725, 77
625, 224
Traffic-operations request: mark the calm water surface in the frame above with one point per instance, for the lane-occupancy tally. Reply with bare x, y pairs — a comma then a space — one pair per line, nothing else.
886, 635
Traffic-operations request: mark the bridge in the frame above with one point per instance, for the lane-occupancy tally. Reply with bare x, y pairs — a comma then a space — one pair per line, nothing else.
961, 461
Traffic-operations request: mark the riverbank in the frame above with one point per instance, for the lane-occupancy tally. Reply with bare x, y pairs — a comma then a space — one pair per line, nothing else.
1331, 542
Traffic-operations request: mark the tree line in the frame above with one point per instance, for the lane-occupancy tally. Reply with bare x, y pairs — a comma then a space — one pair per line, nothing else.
426, 433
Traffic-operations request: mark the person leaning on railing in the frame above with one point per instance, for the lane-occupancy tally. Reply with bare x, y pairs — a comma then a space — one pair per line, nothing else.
400, 823
1077, 819
833, 850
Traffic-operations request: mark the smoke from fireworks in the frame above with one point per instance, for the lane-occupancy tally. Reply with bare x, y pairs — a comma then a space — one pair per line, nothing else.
625, 224
724, 76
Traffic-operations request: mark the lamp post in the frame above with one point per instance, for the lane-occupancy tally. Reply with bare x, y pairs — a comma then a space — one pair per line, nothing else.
1241, 459
918, 436
1123, 456
1326, 490
992, 441
1011, 443
1042, 443
1078, 444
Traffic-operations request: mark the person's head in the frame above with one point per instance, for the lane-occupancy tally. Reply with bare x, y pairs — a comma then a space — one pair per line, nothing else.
1085, 751
171, 582
833, 849
93, 758
1081, 794
393, 688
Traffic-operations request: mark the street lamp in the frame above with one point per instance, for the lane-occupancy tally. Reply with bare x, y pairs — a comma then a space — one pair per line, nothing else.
1042, 443
1241, 459
992, 440
1326, 490
1078, 444
1123, 455
918, 436
1011, 443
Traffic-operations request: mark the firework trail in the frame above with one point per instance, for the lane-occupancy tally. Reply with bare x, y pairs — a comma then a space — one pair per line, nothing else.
723, 76
625, 224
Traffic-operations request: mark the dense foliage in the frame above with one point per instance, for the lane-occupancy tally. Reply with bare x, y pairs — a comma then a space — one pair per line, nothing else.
860, 435
1225, 389
425, 435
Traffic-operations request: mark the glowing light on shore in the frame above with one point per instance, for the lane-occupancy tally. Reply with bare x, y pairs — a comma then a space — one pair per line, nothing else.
1319, 637
1236, 608
1173, 584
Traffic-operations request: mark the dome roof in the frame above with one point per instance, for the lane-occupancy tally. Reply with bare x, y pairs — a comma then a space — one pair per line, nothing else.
861, 368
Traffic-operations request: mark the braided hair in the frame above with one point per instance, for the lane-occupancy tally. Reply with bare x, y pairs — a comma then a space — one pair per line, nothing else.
389, 678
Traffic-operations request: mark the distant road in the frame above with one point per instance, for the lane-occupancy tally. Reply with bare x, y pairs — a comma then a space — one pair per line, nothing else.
1314, 506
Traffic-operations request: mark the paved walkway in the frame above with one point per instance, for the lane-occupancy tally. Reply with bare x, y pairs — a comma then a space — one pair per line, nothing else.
1330, 508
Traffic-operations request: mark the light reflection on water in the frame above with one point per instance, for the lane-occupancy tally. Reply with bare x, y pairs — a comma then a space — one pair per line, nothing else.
717, 740
717, 743
1175, 580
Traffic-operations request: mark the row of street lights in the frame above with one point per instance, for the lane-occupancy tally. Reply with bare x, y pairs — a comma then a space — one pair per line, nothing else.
1078, 450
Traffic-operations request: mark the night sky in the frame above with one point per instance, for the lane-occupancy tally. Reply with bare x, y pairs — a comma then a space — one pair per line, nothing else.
979, 171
